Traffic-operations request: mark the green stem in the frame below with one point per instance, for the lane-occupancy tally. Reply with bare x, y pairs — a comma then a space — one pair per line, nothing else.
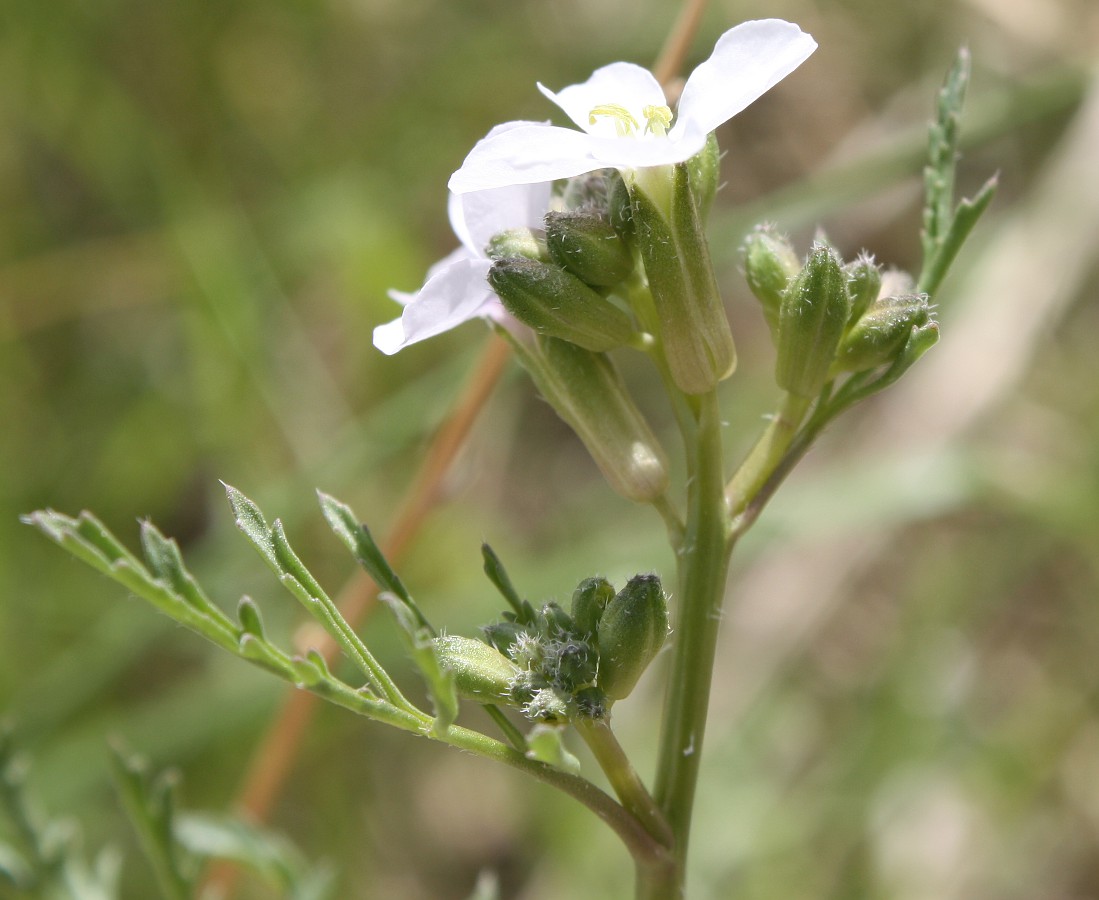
767, 453
650, 855
703, 563
623, 777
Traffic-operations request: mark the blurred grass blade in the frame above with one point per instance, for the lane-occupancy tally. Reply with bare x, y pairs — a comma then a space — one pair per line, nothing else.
149, 800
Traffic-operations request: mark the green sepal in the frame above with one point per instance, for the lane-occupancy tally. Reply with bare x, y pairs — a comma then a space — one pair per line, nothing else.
585, 242
631, 632
693, 328
704, 169
585, 390
555, 303
814, 313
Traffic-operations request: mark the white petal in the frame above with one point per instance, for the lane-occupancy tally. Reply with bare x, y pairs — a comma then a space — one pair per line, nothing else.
480, 215
454, 294
526, 154
622, 84
747, 61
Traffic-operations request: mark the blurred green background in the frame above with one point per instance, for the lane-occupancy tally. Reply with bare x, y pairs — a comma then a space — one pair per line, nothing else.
202, 207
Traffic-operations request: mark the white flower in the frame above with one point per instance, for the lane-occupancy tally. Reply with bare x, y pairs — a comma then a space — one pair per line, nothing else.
625, 122
457, 289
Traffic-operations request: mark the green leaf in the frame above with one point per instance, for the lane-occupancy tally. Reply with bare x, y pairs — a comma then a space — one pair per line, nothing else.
251, 521
342, 520
497, 574
164, 559
418, 640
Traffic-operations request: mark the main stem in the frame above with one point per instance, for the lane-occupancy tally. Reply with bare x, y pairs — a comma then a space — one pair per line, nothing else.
703, 560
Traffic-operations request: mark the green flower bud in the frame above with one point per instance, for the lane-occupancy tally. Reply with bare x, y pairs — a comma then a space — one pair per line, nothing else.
769, 264
812, 320
591, 703
571, 664
881, 334
586, 391
585, 243
588, 191
704, 169
631, 632
555, 619
521, 242
588, 602
863, 285
693, 328
480, 672
548, 703
502, 635
556, 303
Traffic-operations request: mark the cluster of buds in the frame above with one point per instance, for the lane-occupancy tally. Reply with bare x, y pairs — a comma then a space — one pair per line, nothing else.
555, 665
829, 318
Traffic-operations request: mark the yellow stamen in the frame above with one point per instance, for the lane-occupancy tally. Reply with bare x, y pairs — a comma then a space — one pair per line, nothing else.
624, 122
657, 119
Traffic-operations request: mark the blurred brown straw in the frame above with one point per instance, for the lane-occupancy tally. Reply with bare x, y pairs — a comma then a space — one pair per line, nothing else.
274, 756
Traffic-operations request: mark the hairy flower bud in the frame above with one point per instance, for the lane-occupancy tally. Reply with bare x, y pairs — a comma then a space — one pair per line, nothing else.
522, 242
586, 391
863, 285
633, 629
812, 319
588, 602
480, 672
584, 242
693, 328
881, 334
557, 303
769, 264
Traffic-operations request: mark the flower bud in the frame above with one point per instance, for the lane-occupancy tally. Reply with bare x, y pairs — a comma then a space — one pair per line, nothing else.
812, 320
588, 602
693, 328
571, 664
586, 391
480, 672
881, 334
557, 303
588, 191
631, 632
556, 620
548, 703
769, 264
524, 242
863, 285
585, 243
